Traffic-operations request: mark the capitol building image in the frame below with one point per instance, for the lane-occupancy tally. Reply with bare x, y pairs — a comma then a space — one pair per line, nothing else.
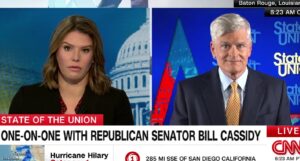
131, 72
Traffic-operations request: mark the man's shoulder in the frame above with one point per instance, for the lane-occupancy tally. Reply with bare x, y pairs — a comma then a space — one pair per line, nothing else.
202, 79
265, 78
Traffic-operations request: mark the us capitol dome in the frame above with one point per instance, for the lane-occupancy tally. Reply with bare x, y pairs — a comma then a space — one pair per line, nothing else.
132, 73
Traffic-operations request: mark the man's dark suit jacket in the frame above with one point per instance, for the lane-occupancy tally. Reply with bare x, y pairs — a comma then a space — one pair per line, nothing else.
199, 101
37, 99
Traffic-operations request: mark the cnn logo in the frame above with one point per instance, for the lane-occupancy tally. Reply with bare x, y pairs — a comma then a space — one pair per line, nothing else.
281, 147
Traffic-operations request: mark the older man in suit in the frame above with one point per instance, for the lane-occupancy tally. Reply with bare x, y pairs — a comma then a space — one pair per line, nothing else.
232, 93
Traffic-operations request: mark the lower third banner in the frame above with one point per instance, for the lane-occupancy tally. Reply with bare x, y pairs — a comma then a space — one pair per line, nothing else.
150, 143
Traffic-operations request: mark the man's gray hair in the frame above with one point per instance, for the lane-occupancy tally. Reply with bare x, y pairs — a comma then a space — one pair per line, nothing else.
228, 23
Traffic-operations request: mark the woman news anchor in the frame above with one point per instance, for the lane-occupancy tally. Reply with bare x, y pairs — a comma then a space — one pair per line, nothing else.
74, 80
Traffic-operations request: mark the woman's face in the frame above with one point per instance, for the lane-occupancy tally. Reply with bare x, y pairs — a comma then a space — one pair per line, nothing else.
74, 57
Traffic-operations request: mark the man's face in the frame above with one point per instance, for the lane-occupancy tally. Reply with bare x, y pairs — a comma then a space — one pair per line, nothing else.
232, 51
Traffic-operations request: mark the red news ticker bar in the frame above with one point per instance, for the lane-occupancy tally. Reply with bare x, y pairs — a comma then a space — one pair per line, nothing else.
283, 131
51, 119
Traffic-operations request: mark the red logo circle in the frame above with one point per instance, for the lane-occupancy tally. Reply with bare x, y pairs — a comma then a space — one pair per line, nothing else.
132, 156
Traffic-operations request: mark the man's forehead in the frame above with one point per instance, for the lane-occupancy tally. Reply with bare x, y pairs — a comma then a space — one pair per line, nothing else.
233, 38
237, 41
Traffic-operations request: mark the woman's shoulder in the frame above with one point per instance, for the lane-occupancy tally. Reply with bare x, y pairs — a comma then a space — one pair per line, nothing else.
112, 95
116, 93
114, 90
110, 92
35, 89
35, 98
